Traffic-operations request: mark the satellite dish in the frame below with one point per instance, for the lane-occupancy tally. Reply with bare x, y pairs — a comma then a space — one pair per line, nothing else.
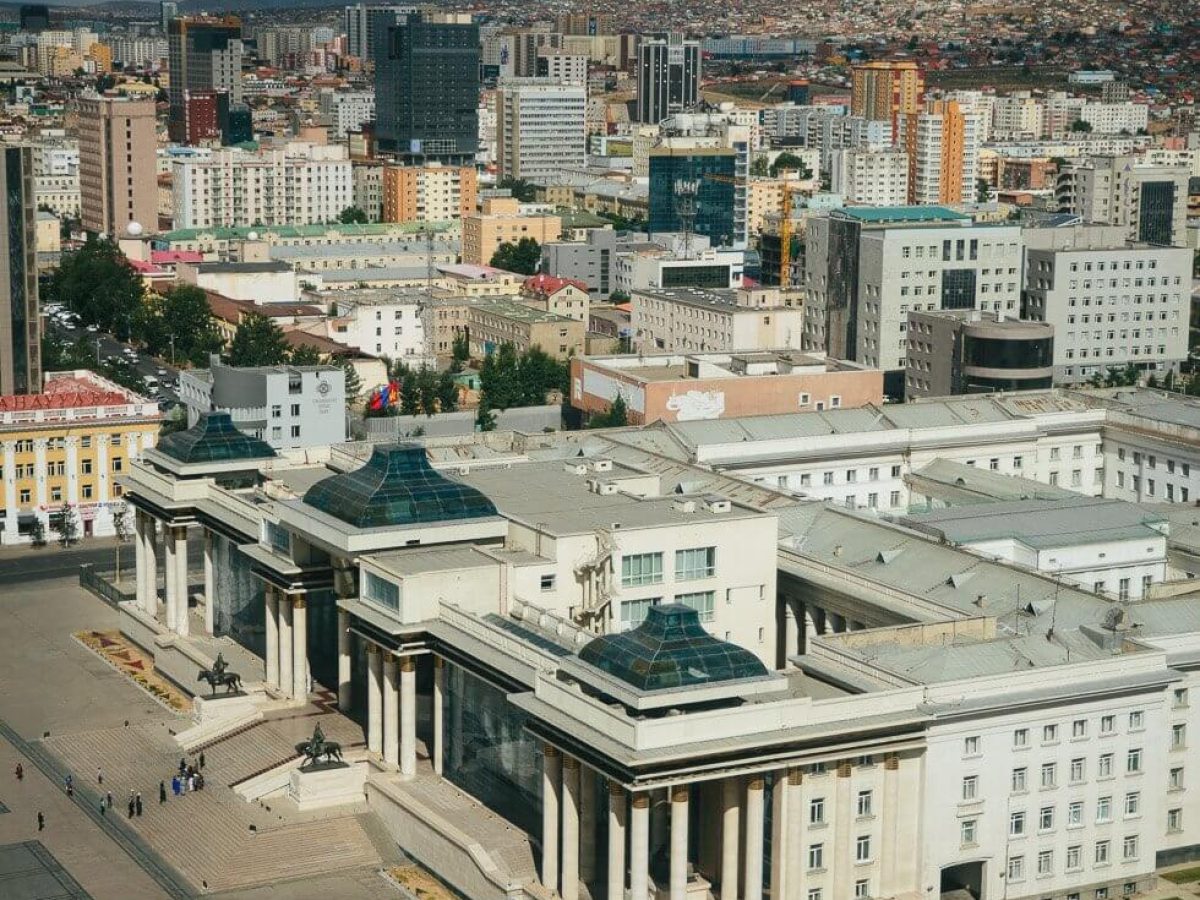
253, 236
134, 229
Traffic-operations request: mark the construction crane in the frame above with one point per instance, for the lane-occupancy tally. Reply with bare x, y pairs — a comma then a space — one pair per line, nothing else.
785, 236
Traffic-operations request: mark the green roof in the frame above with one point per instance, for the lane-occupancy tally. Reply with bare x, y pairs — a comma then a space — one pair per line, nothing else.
213, 439
670, 649
902, 213
298, 231
397, 486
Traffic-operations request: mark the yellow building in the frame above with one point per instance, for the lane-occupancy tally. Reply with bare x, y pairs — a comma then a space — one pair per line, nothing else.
102, 56
501, 222
885, 90
64, 451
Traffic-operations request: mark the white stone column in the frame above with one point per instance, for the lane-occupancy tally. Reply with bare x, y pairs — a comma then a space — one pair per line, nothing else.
639, 848
889, 847
181, 582
170, 591
731, 825
210, 584
795, 832
551, 786
753, 878
72, 445
11, 519
300, 646
375, 691
616, 841
271, 600
40, 490
679, 842
439, 692
842, 837
103, 476
391, 721
408, 715
587, 823
139, 557
285, 645
345, 661
570, 829
781, 868
152, 556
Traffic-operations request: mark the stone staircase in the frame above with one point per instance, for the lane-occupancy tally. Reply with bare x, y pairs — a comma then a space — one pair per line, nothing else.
212, 837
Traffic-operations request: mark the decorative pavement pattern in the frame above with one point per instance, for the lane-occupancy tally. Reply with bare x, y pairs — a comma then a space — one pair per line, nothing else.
28, 871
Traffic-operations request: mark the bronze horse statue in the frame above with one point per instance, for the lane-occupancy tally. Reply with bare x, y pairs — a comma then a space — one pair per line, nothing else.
217, 676
317, 747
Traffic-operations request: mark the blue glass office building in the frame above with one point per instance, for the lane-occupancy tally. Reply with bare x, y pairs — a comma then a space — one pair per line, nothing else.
712, 173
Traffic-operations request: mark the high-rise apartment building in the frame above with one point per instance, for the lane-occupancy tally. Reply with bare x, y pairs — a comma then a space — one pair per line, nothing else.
942, 142
541, 128
167, 10
347, 110
205, 54
1113, 302
432, 193
524, 46
427, 89
117, 146
561, 66
20, 331
870, 177
361, 21
1150, 201
668, 77
886, 90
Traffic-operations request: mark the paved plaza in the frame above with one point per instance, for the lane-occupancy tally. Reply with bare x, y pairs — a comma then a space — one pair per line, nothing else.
65, 710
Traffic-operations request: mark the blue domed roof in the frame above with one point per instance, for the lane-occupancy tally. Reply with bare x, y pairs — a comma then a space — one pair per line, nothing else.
213, 439
670, 649
397, 486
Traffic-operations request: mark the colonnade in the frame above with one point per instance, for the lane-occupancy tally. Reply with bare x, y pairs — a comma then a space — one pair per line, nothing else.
287, 642
798, 620
156, 541
392, 702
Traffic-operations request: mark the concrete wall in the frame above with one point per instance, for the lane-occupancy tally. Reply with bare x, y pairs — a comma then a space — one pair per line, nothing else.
519, 418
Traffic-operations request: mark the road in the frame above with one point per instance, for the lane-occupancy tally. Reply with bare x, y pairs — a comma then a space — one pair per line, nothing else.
25, 563
110, 346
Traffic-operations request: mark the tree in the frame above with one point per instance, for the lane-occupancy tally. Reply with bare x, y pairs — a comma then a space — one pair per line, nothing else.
175, 420
38, 532
460, 347
305, 355
485, 418
353, 215
521, 189
790, 162
539, 374
500, 378
1081, 127
353, 384
522, 257
68, 530
258, 342
983, 190
427, 383
447, 393
410, 397
618, 297
616, 416
99, 284
760, 166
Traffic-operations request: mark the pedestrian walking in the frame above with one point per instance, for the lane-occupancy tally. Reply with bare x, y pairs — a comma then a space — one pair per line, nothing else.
20, 772
202, 759
182, 765
175, 785
191, 782
70, 784
108, 797
138, 804
41, 821
99, 776
131, 809
162, 792
103, 808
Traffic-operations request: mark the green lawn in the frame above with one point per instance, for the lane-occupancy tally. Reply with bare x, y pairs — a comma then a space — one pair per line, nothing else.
1183, 876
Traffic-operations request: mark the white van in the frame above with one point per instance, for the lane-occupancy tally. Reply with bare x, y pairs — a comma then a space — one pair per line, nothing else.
151, 382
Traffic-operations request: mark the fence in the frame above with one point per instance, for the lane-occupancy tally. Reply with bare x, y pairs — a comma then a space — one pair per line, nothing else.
98, 584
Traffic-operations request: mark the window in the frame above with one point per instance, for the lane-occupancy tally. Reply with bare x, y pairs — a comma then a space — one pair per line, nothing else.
382, 592
970, 787
295, 431
701, 601
1104, 765
86, 467
547, 582
862, 889
1021, 737
1045, 862
117, 464
1133, 803
1019, 780
1102, 852
814, 894
1133, 761
276, 411
694, 563
1178, 736
1077, 769
1016, 868
816, 856
968, 830
1016, 824
816, 811
641, 568
1046, 818
1174, 820
1075, 813
1074, 858
864, 803
971, 746
1175, 778
1104, 809
1108, 724
1049, 734
633, 612
862, 848
1079, 728
1049, 775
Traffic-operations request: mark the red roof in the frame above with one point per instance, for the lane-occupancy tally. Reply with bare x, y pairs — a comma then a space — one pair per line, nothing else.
548, 284
64, 393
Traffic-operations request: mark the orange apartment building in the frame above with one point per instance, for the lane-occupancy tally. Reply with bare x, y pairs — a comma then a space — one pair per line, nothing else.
885, 90
432, 193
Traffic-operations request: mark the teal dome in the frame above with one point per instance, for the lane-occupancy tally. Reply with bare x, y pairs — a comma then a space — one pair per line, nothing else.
397, 486
670, 649
213, 439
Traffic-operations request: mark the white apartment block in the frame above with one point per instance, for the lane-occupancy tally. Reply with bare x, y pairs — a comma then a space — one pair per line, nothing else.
1114, 118
1017, 116
302, 184
1113, 303
383, 323
937, 149
562, 67
138, 51
347, 110
541, 128
56, 176
829, 133
870, 177
1149, 201
687, 319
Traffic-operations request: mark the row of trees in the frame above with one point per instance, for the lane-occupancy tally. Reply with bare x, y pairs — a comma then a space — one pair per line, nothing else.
507, 379
523, 257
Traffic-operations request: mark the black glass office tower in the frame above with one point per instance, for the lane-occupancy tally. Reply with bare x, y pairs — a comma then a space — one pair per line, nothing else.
20, 331
427, 91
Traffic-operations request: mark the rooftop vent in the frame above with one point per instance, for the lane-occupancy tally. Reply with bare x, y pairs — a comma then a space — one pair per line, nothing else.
602, 465
576, 468
687, 506
606, 488
886, 556
716, 504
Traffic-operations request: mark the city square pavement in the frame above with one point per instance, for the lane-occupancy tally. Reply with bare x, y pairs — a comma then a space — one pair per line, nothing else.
56, 690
